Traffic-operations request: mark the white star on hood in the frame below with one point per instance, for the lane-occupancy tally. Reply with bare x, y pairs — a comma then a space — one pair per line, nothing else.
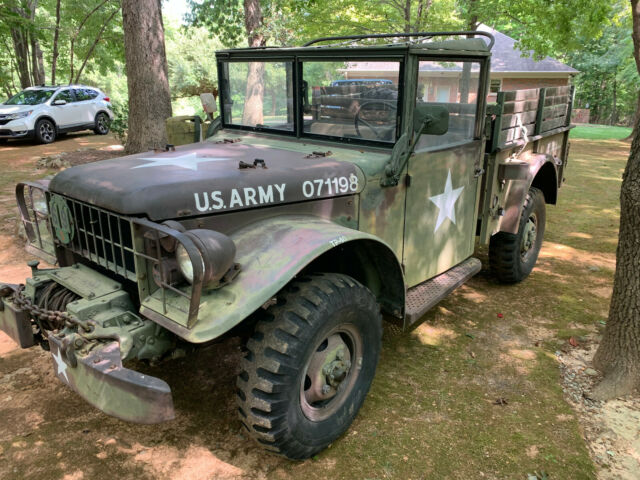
189, 161
60, 365
446, 202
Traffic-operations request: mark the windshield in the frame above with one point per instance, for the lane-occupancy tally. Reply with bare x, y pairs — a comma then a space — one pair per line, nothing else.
348, 100
30, 97
259, 95
361, 108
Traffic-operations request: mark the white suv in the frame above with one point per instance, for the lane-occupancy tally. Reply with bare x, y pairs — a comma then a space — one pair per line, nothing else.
44, 112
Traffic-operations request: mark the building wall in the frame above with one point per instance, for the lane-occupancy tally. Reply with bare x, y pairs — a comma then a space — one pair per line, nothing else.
525, 83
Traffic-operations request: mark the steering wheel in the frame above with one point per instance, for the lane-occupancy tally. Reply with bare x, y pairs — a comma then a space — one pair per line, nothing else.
377, 116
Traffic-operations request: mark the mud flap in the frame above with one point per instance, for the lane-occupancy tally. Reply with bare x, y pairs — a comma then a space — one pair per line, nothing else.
101, 380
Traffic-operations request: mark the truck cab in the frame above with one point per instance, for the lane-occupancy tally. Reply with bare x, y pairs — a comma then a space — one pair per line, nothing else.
340, 184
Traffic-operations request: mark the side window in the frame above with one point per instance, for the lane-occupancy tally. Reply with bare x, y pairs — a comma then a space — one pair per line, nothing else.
453, 85
83, 94
65, 95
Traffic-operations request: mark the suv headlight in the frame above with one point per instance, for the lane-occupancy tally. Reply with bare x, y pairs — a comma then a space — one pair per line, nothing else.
217, 253
16, 116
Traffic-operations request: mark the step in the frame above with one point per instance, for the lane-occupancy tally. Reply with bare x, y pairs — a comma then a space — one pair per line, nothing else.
427, 295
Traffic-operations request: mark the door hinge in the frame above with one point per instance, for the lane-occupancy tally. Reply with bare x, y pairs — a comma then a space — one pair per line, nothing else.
479, 172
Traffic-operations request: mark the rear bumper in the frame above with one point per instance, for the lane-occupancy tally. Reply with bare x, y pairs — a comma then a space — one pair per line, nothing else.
97, 376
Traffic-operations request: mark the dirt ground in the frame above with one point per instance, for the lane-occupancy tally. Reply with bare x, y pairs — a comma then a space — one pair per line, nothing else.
479, 390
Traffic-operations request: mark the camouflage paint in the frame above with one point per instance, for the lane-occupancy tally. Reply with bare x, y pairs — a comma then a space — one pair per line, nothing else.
271, 253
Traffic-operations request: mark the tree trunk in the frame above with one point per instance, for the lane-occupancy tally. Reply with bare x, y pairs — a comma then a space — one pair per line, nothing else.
636, 120
254, 98
21, 48
37, 62
147, 75
614, 106
618, 356
56, 36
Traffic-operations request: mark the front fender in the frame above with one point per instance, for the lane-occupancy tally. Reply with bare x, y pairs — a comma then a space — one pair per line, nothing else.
271, 253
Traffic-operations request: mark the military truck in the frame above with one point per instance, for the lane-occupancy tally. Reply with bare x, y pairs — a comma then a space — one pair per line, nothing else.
316, 209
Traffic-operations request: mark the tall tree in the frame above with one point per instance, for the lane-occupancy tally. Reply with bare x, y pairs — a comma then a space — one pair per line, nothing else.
56, 36
147, 74
618, 355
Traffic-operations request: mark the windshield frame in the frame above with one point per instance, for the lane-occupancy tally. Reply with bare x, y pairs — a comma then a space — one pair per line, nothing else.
298, 110
52, 91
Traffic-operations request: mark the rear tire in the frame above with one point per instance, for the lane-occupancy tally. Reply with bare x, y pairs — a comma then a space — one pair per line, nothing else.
102, 123
513, 256
45, 131
309, 365
3, 141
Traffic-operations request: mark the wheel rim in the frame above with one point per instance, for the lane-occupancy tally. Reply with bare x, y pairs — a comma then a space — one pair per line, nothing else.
529, 237
103, 125
46, 131
331, 373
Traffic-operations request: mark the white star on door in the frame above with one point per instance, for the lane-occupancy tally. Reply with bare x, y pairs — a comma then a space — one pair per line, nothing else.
189, 161
60, 365
446, 203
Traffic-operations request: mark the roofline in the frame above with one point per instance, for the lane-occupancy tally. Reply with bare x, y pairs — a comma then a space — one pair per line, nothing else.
538, 73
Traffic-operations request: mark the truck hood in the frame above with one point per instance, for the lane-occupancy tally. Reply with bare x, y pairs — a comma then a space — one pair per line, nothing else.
206, 178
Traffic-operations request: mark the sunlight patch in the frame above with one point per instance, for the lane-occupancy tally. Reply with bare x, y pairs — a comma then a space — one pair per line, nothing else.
433, 335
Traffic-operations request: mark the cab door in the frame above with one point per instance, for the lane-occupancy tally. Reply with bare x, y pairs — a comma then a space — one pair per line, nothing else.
441, 202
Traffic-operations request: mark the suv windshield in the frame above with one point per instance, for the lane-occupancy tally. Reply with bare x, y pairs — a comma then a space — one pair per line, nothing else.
30, 97
351, 99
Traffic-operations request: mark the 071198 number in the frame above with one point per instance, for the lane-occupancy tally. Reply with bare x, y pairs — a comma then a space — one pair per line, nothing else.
330, 186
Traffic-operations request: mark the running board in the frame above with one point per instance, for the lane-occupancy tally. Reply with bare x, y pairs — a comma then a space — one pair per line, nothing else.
427, 295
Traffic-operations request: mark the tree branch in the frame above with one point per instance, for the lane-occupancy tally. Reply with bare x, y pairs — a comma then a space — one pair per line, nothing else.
93, 46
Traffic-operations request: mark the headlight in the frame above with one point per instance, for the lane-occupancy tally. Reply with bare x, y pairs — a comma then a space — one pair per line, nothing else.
16, 116
39, 202
216, 252
184, 263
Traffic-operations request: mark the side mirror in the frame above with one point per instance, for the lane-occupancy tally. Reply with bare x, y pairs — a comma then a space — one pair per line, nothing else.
59, 102
431, 119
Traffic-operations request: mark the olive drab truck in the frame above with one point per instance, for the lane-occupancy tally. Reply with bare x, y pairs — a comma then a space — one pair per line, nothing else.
342, 181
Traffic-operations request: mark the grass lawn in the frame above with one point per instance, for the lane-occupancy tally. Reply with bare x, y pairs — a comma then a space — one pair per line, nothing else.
600, 132
472, 393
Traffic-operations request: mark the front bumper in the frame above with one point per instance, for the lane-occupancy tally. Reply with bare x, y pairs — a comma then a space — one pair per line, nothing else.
15, 133
97, 375
102, 381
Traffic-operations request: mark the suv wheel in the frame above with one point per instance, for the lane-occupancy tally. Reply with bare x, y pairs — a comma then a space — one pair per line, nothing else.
512, 257
309, 365
101, 124
45, 131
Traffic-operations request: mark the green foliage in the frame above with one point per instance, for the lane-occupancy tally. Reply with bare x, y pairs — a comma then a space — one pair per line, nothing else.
548, 27
120, 123
609, 82
102, 49
225, 19
191, 58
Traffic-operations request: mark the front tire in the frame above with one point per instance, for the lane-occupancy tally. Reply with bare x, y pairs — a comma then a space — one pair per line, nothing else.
45, 131
102, 124
513, 256
309, 365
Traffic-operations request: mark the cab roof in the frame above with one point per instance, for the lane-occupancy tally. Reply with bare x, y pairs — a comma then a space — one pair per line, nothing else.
423, 43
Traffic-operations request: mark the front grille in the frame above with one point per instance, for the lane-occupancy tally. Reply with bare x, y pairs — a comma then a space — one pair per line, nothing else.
102, 237
4, 121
